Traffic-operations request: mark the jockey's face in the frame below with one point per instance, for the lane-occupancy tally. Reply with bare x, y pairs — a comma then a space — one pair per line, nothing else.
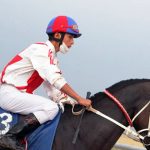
68, 40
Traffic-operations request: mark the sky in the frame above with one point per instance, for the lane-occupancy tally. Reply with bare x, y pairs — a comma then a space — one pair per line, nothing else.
114, 46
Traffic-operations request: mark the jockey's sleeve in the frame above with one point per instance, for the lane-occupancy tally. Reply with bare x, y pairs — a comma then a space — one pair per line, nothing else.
47, 68
53, 93
56, 95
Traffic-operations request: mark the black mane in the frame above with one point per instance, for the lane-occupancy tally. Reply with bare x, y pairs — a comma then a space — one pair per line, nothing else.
119, 85
124, 83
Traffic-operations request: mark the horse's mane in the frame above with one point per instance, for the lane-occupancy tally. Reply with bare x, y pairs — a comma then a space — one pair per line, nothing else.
125, 83
119, 86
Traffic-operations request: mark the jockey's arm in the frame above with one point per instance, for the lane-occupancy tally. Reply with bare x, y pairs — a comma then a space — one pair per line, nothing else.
52, 73
53, 93
69, 91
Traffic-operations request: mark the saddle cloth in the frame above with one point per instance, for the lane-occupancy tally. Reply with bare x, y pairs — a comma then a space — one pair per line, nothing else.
41, 139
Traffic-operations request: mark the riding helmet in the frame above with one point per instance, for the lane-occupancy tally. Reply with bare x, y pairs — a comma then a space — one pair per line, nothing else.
63, 24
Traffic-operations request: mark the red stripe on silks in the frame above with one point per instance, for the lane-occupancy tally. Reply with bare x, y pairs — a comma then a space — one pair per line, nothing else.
34, 82
50, 55
120, 106
42, 43
14, 60
21, 87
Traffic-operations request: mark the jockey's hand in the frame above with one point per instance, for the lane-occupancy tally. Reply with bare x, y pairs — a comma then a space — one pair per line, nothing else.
85, 102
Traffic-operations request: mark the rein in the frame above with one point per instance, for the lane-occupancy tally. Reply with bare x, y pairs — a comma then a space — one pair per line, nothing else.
120, 106
116, 122
128, 129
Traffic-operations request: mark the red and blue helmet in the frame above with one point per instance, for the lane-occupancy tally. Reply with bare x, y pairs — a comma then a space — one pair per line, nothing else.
63, 24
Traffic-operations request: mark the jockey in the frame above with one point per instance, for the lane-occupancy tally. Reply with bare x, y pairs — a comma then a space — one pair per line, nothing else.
33, 66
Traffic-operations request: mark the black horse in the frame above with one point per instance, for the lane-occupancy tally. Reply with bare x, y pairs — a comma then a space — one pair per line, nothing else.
97, 133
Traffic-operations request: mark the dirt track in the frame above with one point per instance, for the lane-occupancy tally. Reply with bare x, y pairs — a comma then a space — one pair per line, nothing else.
125, 140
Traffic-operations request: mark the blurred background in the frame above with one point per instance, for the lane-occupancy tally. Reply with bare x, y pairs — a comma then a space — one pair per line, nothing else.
114, 45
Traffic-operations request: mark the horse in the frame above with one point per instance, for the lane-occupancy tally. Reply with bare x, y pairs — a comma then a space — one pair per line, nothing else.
96, 132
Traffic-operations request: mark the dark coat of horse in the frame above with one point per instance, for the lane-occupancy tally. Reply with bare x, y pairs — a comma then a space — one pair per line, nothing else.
97, 133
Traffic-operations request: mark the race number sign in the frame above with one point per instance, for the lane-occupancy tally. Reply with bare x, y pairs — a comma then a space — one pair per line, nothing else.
7, 120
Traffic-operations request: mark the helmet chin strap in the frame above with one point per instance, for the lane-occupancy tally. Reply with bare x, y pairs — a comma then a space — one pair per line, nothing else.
60, 41
62, 38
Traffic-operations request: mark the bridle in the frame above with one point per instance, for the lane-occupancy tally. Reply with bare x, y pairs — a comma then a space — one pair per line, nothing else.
146, 140
136, 134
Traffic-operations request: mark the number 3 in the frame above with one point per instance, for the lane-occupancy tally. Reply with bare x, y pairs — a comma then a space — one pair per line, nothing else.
6, 119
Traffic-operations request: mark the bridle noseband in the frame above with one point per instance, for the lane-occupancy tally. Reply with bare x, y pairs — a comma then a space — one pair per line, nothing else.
146, 140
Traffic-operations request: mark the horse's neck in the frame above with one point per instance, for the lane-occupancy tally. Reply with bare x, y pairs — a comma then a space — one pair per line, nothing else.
134, 95
96, 130
134, 98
